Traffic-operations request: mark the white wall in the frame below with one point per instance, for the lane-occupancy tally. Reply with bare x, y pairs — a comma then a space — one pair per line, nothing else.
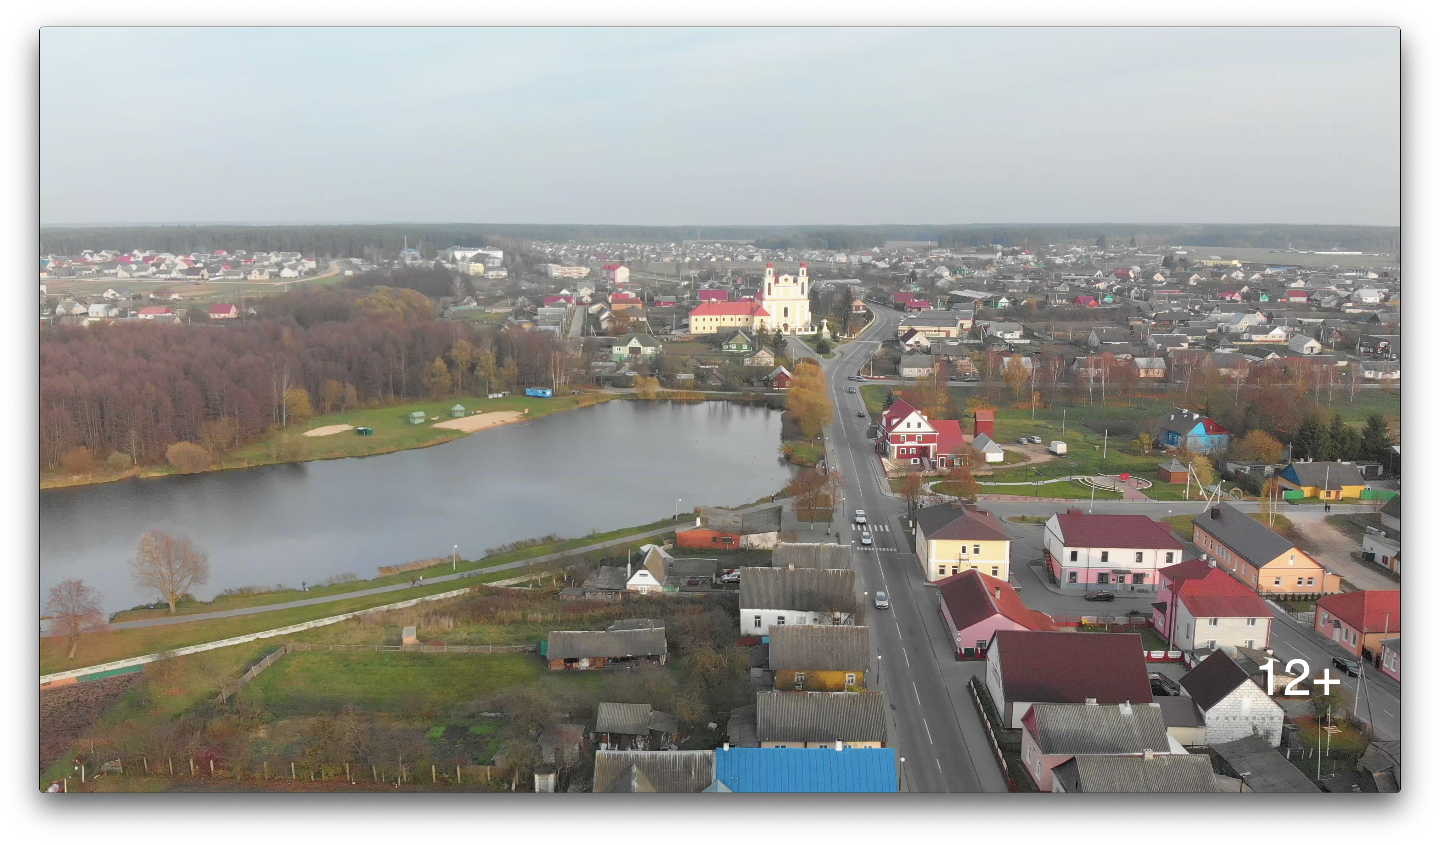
748, 627
1237, 714
1228, 634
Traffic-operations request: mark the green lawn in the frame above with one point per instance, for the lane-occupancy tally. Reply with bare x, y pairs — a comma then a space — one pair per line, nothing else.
1053, 490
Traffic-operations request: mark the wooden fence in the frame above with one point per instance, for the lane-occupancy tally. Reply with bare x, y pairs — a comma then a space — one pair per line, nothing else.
215, 768
423, 649
973, 686
233, 688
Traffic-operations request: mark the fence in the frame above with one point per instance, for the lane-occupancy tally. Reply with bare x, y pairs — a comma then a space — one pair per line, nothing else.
227, 690
974, 688
350, 773
423, 649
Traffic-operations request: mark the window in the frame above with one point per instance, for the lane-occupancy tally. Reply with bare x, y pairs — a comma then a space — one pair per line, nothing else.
1249, 643
1074, 556
1138, 578
942, 570
1139, 557
1169, 557
1250, 622
1277, 582
1214, 622
799, 679
758, 622
1071, 579
975, 549
849, 679
980, 645
1210, 644
780, 620
1309, 582
995, 572
1102, 578
1104, 557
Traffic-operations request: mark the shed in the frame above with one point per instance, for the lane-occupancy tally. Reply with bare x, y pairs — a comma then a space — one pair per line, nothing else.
417, 417
458, 410
984, 422
1173, 472
364, 431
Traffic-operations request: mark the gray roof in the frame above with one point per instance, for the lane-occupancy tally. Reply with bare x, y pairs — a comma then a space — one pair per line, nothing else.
820, 716
654, 771
797, 589
1161, 773
916, 362
1099, 728
647, 642
1214, 678
1266, 769
1393, 644
607, 578
1179, 711
1243, 535
819, 648
761, 521
1323, 473
811, 556
957, 522
612, 718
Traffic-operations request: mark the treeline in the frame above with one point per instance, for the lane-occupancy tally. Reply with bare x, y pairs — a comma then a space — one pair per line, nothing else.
138, 389
314, 241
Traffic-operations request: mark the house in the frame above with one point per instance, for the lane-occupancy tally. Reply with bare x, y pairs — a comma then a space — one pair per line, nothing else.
936, 324
771, 596
1381, 761
779, 379
905, 434
150, 312
739, 342
1200, 607
953, 538
1174, 472
1023, 668
562, 744
916, 365
637, 727
635, 347
810, 556
1303, 344
607, 584
984, 422
602, 649
1152, 368
1102, 336
1161, 773
987, 449
653, 771
1194, 432
820, 719
1183, 719
654, 568
950, 446
227, 311
1108, 551
713, 295
1390, 657
913, 339
1382, 545
1262, 559
1358, 622
806, 770
1234, 705
1323, 479
752, 529
827, 658
762, 358
975, 605
1052, 734
1261, 767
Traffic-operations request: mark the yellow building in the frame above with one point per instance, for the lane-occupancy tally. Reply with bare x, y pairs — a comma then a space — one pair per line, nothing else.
827, 658
1323, 480
784, 304
1261, 559
952, 538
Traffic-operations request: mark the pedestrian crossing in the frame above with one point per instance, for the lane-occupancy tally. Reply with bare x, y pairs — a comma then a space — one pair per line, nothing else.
882, 538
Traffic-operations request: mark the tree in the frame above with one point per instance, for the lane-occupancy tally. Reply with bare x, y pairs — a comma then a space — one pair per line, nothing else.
437, 378
1100, 241
352, 398
1144, 442
1203, 470
1375, 441
912, 491
297, 405
290, 448
962, 483
807, 490
1269, 492
822, 346
170, 566
1017, 375
119, 462
73, 609
331, 395
188, 457
1344, 440
463, 354
77, 461
217, 436
646, 387
1307, 441
1258, 445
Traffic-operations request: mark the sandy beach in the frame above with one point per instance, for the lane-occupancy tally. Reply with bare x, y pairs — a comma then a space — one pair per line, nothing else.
327, 429
479, 422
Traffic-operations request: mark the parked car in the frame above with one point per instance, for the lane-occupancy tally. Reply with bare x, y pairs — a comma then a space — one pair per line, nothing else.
731, 576
865, 538
1347, 665
859, 517
882, 601
1162, 685
970, 378
1099, 595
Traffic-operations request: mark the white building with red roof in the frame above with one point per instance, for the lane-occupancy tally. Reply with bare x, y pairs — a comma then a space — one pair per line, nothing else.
226, 311
1200, 608
1120, 552
783, 304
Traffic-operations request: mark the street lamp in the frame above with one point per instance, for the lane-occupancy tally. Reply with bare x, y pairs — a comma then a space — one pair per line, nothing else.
455, 559
676, 518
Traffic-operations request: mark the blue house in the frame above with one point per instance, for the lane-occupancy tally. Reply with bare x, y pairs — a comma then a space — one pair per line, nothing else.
806, 769
1195, 432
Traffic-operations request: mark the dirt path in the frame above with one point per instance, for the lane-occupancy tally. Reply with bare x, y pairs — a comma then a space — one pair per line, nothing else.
479, 422
324, 430
1332, 548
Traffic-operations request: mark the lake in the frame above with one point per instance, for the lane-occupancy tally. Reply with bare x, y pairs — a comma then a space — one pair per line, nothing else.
612, 465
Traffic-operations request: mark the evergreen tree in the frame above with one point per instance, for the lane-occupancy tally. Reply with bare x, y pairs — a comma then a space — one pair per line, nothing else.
1343, 441
1307, 438
1375, 441
1250, 419
1100, 241
1168, 262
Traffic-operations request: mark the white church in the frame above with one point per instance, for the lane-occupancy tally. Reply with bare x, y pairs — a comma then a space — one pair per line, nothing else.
784, 304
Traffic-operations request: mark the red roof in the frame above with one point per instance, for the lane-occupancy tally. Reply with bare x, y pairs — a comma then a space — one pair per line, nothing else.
621, 295
903, 297
972, 597
154, 310
985, 415
218, 252
898, 410
951, 439
222, 309
1212, 427
1114, 531
1217, 594
1185, 570
729, 309
714, 295
1365, 610
1067, 668
1086, 300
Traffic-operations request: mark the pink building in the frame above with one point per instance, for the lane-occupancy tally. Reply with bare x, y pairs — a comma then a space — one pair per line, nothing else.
1057, 733
1359, 621
1201, 607
975, 606
1119, 552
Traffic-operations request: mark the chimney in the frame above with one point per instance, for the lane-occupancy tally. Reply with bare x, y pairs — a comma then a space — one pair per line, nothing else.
1090, 701
1214, 513
1073, 511
997, 593
1125, 709
627, 570
726, 747
1212, 563
1149, 754
839, 746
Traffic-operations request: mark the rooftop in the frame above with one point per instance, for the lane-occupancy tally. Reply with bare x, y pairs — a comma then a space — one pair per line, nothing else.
820, 716
807, 769
1114, 531
1242, 534
821, 648
1067, 667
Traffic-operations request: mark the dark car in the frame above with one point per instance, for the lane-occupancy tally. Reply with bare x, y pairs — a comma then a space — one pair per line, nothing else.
1347, 665
1099, 595
1161, 685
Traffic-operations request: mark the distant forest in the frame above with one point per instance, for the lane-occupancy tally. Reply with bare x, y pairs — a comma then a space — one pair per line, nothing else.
333, 241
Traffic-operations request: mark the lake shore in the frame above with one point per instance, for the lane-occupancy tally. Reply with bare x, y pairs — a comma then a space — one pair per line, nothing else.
393, 432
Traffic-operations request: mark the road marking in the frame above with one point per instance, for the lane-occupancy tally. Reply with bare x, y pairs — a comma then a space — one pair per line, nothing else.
927, 729
906, 652
917, 692
1387, 712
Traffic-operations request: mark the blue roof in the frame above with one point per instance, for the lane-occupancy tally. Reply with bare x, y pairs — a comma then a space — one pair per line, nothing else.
806, 769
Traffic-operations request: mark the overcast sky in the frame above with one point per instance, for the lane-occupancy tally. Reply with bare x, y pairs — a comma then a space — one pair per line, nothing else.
720, 126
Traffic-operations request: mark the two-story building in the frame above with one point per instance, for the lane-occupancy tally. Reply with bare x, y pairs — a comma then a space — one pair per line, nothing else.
953, 538
1120, 552
1359, 621
1053, 734
1201, 608
1233, 704
1263, 560
905, 435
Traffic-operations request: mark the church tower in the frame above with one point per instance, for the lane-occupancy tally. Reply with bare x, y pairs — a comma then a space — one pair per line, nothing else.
785, 300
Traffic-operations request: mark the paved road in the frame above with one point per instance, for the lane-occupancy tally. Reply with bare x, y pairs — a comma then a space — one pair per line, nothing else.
934, 725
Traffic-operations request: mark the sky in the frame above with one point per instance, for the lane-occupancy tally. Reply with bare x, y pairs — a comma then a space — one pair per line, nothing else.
659, 126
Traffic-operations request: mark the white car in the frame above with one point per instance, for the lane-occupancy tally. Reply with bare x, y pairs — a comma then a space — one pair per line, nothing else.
859, 517
865, 538
882, 601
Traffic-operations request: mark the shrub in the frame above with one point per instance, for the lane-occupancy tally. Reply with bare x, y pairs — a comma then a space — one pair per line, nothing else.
187, 457
119, 461
77, 461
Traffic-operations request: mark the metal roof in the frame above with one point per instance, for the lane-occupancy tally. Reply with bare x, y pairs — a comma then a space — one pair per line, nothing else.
820, 648
957, 522
1243, 535
810, 556
1161, 773
647, 642
807, 769
654, 771
822, 590
1266, 770
1098, 728
820, 716
1069, 667
612, 718
1214, 678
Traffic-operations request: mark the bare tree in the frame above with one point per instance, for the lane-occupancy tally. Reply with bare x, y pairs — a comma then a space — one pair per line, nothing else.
171, 566
74, 609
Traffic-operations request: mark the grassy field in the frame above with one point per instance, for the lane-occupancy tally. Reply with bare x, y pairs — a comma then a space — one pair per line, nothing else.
393, 433
1053, 490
